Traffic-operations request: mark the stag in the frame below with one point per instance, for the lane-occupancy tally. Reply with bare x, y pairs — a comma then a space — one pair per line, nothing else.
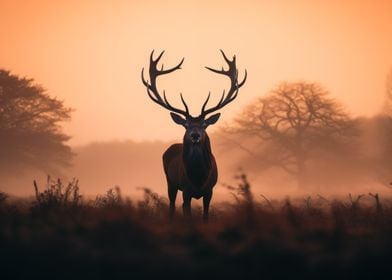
191, 166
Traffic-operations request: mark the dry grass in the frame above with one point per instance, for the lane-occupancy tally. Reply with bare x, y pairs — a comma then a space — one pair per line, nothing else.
60, 236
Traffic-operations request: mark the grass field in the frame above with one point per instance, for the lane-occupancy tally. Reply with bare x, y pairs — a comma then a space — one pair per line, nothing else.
59, 235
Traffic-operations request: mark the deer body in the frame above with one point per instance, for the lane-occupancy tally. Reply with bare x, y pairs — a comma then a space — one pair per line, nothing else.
191, 170
191, 167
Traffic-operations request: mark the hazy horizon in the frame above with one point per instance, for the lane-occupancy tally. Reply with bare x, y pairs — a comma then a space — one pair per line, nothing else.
102, 165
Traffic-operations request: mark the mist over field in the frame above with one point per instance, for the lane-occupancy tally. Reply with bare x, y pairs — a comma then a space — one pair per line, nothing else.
131, 165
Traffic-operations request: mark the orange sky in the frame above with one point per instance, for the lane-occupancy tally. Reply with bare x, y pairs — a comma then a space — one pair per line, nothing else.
90, 53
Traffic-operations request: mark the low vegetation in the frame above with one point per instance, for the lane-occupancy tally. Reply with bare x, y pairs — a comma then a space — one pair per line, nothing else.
60, 235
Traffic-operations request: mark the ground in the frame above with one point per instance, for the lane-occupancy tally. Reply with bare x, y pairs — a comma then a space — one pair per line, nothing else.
113, 237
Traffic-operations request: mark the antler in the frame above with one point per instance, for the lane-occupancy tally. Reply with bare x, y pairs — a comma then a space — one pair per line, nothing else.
152, 90
232, 73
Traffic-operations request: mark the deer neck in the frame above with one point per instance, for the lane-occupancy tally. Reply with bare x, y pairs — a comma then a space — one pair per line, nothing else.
197, 161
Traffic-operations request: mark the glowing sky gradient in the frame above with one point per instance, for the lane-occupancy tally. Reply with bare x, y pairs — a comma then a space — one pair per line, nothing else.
90, 54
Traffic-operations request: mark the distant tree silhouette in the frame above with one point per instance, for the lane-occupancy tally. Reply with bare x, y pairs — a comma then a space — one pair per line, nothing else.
30, 133
294, 124
388, 91
382, 128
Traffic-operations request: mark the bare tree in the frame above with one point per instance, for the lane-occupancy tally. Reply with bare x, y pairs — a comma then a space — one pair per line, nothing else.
30, 131
292, 125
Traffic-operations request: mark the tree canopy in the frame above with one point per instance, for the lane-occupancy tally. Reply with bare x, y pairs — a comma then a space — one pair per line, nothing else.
295, 123
30, 131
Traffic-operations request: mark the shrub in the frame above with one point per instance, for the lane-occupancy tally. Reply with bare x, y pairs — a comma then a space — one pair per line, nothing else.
56, 195
111, 199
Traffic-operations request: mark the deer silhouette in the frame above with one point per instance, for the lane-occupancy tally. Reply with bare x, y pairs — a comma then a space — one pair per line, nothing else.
191, 166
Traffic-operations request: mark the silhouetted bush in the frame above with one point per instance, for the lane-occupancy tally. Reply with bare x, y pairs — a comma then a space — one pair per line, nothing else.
56, 195
113, 198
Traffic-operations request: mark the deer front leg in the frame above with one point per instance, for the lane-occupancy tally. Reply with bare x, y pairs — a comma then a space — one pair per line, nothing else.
186, 206
206, 205
172, 192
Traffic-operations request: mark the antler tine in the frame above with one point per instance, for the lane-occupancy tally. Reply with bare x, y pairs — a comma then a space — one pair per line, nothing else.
205, 102
167, 102
178, 66
183, 102
232, 74
222, 98
154, 62
152, 90
216, 71
172, 108
243, 80
231, 63
158, 58
144, 80
225, 57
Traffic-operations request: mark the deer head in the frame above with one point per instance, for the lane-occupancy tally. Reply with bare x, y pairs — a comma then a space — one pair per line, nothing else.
195, 126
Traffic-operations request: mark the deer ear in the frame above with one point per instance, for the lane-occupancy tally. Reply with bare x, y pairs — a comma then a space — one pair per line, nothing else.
178, 119
211, 120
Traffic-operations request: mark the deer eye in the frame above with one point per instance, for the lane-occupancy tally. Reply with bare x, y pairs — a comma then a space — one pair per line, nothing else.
186, 125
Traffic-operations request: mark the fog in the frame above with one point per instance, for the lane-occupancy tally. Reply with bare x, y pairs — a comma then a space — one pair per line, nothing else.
130, 165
